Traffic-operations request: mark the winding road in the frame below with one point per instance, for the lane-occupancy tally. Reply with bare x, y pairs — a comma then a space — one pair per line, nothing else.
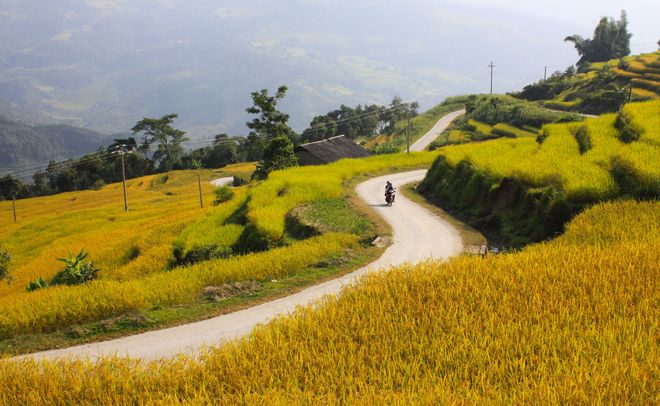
417, 235
439, 127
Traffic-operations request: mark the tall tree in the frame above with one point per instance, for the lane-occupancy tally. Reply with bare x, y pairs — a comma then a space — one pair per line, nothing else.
611, 40
271, 125
169, 139
622, 39
271, 122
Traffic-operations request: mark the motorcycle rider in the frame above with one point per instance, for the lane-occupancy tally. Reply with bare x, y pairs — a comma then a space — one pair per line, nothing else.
389, 191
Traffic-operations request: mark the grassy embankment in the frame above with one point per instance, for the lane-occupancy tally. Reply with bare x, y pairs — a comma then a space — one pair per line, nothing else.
526, 189
588, 92
569, 321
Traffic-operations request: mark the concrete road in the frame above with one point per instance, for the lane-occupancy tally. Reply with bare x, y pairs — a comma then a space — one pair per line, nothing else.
222, 181
438, 128
417, 235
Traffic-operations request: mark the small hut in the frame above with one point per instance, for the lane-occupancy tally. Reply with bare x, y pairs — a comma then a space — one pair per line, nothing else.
328, 150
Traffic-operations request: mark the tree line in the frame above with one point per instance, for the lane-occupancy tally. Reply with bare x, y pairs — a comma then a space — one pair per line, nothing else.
270, 142
360, 121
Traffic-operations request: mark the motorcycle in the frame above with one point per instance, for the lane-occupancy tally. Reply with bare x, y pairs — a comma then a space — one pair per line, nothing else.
389, 197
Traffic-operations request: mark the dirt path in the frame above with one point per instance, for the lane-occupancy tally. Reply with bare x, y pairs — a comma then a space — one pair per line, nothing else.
417, 235
433, 133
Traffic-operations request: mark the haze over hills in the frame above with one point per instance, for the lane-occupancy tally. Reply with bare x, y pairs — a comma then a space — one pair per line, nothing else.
105, 64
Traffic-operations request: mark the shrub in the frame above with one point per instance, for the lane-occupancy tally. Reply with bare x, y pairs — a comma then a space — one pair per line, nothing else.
36, 284
222, 194
76, 271
385, 148
238, 181
5, 258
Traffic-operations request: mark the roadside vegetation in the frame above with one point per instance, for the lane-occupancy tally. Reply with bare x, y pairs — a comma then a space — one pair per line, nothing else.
567, 321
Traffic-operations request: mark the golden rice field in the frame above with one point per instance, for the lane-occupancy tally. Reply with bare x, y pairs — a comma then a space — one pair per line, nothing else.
570, 321
584, 177
134, 249
643, 71
270, 201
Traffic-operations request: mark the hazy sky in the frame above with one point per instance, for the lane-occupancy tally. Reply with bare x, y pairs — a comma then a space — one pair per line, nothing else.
643, 15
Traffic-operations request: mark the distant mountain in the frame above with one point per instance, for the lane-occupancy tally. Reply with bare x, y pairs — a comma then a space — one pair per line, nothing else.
105, 64
24, 147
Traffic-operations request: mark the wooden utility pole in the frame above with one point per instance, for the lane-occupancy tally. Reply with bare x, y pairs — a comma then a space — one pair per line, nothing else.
13, 203
408, 132
123, 178
491, 66
201, 199
630, 92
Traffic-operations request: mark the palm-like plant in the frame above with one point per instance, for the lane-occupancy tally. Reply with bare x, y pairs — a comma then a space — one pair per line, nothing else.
76, 271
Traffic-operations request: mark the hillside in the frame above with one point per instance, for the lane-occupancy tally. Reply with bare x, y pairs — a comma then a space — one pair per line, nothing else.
524, 187
603, 88
24, 146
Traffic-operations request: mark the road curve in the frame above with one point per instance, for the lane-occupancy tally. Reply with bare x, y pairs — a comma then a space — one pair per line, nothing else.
433, 133
417, 235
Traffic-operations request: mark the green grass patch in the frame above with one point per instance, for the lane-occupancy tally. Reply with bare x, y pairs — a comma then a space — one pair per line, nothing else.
334, 215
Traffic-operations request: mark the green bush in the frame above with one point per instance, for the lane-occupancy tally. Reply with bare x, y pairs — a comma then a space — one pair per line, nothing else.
36, 284
238, 181
222, 194
385, 148
76, 271
5, 258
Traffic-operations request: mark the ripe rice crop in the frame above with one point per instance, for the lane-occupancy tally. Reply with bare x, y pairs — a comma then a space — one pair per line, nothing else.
209, 236
570, 321
271, 200
48, 309
508, 130
643, 94
644, 119
584, 177
480, 127
134, 249
123, 244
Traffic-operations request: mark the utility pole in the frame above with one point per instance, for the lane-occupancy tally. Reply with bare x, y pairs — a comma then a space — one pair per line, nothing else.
630, 92
201, 199
545, 73
123, 177
408, 131
13, 203
491, 66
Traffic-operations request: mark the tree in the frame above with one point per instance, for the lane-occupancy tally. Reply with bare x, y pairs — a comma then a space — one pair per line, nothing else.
622, 39
278, 154
169, 139
270, 123
611, 40
10, 187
